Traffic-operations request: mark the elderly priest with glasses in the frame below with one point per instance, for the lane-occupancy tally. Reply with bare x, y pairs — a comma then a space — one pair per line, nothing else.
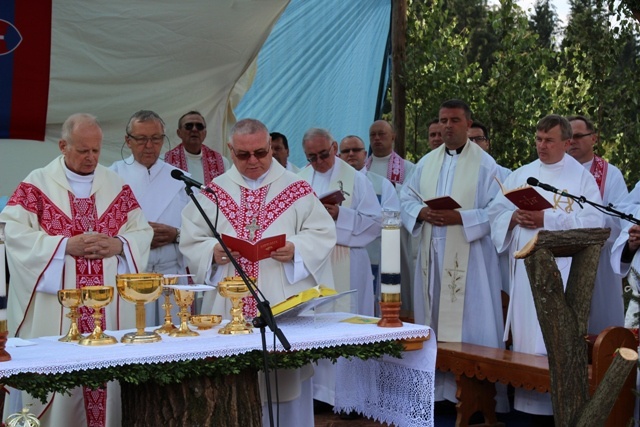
257, 198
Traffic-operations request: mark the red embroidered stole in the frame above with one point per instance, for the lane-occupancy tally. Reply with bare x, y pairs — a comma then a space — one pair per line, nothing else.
253, 206
212, 163
84, 218
395, 168
599, 168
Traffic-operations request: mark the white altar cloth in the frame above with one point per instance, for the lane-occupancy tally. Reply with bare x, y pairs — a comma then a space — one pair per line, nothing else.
398, 391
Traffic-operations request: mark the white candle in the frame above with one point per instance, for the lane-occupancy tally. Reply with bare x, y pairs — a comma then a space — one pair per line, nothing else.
390, 251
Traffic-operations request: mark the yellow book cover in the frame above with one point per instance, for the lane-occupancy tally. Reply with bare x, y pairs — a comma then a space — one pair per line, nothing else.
302, 297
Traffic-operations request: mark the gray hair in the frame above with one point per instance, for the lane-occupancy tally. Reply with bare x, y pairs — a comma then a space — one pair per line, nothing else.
74, 120
248, 127
144, 116
317, 132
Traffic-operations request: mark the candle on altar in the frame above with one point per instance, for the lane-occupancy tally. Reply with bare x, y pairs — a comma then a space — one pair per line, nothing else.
390, 256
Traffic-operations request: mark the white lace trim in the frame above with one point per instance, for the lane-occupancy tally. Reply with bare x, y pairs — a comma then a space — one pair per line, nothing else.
49, 356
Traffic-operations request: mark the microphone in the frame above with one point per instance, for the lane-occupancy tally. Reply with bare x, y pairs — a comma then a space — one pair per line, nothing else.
190, 182
534, 182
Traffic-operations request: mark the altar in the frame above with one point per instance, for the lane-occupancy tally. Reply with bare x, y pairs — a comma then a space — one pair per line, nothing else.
388, 389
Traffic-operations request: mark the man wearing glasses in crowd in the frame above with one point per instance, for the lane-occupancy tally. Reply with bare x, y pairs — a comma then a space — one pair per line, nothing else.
161, 197
191, 155
255, 199
607, 306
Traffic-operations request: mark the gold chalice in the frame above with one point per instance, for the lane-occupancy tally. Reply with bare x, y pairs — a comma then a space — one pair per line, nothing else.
96, 297
168, 326
184, 299
140, 289
71, 299
235, 289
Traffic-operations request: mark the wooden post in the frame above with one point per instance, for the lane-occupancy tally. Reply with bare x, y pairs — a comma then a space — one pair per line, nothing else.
563, 316
398, 88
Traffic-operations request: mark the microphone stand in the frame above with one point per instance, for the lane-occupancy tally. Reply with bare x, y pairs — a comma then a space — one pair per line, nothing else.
608, 210
266, 315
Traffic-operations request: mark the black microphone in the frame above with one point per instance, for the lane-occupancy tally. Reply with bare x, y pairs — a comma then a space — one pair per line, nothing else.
180, 176
534, 182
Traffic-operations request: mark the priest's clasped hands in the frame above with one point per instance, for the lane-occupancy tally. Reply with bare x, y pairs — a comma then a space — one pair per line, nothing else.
440, 217
527, 219
94, 246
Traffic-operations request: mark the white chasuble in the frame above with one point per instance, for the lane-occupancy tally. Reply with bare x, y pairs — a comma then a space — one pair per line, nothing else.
463, 174
281, 204
40, 214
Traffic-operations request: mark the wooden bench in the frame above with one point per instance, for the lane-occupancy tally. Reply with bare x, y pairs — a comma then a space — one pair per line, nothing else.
478, 368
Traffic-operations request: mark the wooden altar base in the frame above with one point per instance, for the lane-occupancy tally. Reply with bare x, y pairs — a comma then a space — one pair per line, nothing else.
224, 401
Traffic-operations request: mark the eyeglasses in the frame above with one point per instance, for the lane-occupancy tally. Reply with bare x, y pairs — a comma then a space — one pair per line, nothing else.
351, 150
581, 135
322, 156
144, 140
246, 155
198, 126
477, 138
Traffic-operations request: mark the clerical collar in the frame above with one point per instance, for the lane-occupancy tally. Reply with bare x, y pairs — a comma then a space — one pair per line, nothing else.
256, 183
72, 176
457, 150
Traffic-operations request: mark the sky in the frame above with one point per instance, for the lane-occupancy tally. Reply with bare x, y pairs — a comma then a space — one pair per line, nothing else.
562, 7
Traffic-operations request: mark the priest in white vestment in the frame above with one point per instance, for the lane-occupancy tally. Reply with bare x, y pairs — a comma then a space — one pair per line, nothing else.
352, 151
358, 218
607, 305
457, 289
255, 199
386, 162
512, 228
161, 198
71, 224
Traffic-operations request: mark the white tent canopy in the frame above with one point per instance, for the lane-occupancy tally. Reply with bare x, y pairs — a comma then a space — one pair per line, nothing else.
112, 58
320, 67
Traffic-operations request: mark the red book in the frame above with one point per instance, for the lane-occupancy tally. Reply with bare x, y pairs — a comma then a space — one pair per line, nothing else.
439, 203
255, 251
334, 197
526, 198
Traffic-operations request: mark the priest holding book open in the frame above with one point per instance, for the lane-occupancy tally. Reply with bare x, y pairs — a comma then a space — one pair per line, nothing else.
257, 199
513, 227
457, 284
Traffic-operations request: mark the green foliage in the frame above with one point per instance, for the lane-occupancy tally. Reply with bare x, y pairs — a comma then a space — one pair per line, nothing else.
522, 75
39, 386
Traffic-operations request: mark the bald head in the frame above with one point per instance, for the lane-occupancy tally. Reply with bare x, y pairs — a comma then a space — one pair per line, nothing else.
352, 151
381, 138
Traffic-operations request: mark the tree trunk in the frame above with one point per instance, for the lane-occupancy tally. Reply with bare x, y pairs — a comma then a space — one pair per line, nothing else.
563, 315
225, 401
398, 88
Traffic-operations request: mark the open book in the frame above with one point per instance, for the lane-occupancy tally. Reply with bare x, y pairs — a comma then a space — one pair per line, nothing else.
255, 251
333, 197
306, 300
438, 203
525, 198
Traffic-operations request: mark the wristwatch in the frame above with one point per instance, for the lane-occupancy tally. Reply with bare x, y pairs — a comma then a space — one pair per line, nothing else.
177, 239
